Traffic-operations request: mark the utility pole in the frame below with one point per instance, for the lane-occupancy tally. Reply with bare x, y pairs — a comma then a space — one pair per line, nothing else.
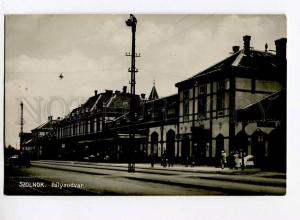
131, 22
21, 123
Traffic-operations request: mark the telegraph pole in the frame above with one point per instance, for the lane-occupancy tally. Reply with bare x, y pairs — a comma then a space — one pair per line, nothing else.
21, 123
131, 22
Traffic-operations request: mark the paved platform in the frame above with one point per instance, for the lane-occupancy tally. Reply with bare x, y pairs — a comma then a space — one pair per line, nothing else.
178, 167
235, 182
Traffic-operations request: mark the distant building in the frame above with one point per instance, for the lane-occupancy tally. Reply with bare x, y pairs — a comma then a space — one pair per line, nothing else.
40, 139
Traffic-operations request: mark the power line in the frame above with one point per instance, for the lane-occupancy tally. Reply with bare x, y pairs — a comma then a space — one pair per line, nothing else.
75, 71
180, 32
164, 73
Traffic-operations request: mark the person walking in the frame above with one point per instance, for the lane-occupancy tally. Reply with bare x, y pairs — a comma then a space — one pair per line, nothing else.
187, 159
193, 160
152, 159
237, 163
223, 159
231, 160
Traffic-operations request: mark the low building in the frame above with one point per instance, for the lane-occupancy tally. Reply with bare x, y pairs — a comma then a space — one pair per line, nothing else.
38, 143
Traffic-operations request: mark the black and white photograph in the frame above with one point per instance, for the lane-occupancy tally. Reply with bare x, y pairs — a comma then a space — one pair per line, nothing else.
145, 104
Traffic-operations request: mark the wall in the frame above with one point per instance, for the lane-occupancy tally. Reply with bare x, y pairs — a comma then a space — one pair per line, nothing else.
162, 136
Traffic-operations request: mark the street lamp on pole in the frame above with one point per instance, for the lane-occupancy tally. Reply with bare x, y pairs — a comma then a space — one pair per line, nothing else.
131, 22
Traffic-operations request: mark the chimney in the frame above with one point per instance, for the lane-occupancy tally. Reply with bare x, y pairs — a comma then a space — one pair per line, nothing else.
124, 89
281, 48
108, 92
235, 49
247, 39
143, 95
96, 92
117, 92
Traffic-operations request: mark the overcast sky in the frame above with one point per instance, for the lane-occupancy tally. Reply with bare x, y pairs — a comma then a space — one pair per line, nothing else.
89, 50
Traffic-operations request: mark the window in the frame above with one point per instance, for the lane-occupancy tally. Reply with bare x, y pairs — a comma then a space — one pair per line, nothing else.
220, 95
95, 124
91, 125
74, 129
87, 126
77, 128
202, 100
98, 124
186, 105
80, 127
83, 127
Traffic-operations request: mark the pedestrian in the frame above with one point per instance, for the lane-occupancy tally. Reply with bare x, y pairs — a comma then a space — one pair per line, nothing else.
164, 159
152, 158
237, 163
223, 159
131, 162
187, 161
218, 158
230, 161
170, 161
193, 161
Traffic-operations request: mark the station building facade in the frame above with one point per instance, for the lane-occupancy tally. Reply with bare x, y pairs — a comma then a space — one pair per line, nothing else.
238, 104
211, 105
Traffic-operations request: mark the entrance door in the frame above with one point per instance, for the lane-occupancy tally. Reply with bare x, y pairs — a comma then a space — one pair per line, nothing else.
219, 147
185, 148
154, 143
258, 147
241, 141
170, 144
201, 139
277, 149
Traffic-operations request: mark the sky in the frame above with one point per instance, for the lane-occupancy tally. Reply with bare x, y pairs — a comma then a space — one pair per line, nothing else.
89, 50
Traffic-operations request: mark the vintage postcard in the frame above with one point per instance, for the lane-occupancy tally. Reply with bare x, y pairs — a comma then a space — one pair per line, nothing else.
140, 104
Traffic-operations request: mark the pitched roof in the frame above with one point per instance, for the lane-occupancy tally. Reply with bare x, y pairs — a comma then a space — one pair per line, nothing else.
48, 125
153, 94
256, 60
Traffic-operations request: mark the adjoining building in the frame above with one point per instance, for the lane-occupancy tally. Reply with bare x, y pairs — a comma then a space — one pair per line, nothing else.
40, 140
238, 104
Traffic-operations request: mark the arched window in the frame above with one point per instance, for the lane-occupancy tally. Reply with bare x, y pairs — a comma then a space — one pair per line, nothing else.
154, 143
241, 141
170, 148
219, 145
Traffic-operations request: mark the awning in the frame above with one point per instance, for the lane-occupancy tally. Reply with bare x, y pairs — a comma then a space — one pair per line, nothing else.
271, 108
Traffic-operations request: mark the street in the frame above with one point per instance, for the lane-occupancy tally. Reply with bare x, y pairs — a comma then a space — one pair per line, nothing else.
86, 178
